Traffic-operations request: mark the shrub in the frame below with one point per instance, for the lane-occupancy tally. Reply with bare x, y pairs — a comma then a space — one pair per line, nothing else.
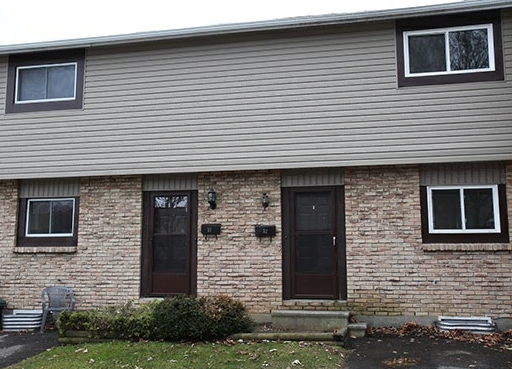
127, 322
180, 318
172, 319
226, 316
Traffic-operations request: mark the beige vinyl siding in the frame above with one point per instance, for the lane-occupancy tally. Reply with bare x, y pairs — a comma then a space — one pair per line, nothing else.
3, 82
308, 101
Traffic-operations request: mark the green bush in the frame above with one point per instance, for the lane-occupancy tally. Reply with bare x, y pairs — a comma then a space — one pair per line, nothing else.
180, 318
172, 319
127, 322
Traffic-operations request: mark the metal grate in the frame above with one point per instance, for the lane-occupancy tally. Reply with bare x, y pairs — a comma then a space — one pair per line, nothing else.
466, 324
22, 320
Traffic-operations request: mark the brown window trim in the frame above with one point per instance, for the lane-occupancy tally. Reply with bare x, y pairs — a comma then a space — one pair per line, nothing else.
465, 19
64, 56
502, 237
24, 241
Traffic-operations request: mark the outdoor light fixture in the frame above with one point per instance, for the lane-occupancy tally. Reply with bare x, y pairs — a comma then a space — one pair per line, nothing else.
265, 201
212, 198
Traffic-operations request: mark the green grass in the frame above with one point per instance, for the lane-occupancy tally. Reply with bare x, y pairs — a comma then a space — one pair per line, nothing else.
155, 355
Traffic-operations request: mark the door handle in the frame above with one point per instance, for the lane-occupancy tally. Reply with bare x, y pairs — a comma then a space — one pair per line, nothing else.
333, 241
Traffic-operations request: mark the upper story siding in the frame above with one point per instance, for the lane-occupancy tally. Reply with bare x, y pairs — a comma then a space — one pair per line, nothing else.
305, 100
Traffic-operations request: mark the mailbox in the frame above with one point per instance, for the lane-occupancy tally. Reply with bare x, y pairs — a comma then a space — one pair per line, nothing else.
265, 230
210, 229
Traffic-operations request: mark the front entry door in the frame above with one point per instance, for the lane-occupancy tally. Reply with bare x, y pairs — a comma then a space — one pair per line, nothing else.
314, 243
169, 244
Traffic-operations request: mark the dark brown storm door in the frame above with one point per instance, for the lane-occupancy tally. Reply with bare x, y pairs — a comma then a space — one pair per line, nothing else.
169, 243
314, 243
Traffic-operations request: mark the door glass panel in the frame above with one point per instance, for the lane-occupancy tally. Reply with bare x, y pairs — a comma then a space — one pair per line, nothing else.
313, 240
170, 234
170, 254
313, 211
314, 254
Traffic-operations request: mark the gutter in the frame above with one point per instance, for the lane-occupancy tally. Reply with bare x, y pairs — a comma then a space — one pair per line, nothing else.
260, 26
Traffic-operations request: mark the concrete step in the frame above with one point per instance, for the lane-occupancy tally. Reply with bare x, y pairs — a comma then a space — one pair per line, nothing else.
310, 321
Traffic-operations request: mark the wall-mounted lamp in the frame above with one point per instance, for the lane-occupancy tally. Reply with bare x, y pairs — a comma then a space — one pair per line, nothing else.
212, 198
265, 201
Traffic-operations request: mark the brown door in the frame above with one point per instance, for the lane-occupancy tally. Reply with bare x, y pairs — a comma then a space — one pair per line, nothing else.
314, 243
169, 244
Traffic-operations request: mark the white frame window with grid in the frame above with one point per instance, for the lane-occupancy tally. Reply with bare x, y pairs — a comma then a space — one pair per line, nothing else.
446, 31
464, 229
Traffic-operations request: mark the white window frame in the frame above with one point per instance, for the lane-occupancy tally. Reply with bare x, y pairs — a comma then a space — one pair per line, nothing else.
496, 210
17, 86
29, 201
446, 31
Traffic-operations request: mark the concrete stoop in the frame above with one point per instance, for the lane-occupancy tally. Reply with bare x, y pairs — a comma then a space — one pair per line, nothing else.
303, 325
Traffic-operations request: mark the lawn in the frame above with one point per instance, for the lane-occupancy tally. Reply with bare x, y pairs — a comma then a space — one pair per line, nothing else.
220, 355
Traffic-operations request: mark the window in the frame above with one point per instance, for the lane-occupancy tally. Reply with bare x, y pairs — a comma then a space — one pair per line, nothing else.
464, 214
48, 222
48, 212
47, 218
449, 49
452, 50
53, 82
45, 81
471, 209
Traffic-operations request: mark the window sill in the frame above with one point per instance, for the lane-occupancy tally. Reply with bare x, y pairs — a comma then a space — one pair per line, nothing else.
45, 250
467, 247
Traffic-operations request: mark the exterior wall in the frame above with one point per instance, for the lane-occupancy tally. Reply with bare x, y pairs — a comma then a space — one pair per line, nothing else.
390, 272
104, 269
237, 263
312, 98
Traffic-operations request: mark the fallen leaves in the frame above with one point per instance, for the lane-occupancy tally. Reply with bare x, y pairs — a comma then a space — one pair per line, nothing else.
501, 340
400, 362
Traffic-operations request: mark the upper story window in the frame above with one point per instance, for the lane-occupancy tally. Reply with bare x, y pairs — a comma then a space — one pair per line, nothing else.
449, 49
51, 82
45, 81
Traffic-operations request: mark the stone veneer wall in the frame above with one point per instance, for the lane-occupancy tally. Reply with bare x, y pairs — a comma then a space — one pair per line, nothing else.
390, 272
237, 263
103, 269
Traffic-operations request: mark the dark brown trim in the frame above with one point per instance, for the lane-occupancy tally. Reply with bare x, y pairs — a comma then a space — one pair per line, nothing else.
67, 56
288, 210
24, 241
464, 19
146, 249
502, 237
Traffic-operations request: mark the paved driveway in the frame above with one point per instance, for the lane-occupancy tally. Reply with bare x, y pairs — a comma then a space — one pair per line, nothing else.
388, 352
385, 352
17, 346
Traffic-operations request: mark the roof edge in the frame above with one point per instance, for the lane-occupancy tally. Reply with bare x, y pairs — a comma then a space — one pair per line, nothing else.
259, 26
